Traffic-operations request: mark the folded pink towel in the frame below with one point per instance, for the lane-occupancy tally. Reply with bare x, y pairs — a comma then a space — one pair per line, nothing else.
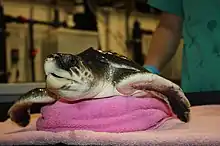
116, 114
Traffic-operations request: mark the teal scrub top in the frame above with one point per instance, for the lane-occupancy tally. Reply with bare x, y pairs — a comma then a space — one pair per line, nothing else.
201, 33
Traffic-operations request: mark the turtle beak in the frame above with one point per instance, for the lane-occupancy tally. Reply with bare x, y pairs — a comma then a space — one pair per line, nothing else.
49, 64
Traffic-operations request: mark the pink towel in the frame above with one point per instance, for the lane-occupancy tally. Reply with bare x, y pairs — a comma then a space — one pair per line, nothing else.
116, 114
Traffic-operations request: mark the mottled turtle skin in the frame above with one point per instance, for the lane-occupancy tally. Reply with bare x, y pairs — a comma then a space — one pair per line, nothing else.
94, 74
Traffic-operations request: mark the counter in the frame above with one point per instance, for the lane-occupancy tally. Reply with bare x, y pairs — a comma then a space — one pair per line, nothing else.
10, 92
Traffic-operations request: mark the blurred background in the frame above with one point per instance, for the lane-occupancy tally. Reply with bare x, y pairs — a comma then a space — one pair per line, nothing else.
32, 29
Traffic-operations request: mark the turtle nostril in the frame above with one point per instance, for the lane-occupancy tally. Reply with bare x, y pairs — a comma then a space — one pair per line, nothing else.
50, 56
55, 55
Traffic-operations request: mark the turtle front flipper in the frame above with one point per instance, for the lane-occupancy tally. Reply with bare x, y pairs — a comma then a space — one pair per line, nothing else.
152, 82
19, 112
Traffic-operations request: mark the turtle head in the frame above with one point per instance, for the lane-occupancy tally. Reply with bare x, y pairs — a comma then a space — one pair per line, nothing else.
72, 76
84, 75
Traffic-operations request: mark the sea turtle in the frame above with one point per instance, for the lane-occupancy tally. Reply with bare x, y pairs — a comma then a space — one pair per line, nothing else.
94, 74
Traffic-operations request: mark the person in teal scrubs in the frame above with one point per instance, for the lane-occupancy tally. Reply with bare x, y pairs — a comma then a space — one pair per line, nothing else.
198, 22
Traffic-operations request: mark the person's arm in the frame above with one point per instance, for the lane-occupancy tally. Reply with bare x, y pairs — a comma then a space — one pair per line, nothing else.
165, 40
